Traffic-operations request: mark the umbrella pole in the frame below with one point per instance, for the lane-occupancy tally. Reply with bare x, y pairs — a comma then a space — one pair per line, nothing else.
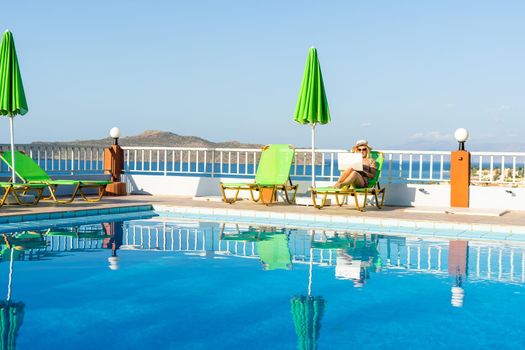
12, 129
313, 155
310, 271
10, 275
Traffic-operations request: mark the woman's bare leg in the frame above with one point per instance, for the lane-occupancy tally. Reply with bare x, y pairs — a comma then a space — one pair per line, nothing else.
343, 177
354, 179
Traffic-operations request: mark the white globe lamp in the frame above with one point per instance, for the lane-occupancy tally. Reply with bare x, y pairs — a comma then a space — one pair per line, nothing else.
115, 134
461, 135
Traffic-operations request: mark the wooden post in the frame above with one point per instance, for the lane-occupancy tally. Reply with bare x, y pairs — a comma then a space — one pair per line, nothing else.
459, 179
114, 165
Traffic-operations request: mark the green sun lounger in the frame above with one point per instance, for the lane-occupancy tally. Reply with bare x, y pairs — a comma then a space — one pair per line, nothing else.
273, 173
31, 173
15, 189
341, 194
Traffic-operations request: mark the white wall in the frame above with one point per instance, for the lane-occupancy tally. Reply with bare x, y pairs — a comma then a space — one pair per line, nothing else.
417, 195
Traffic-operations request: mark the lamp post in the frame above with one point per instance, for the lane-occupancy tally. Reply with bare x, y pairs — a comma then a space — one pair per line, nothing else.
114, 165
460, 172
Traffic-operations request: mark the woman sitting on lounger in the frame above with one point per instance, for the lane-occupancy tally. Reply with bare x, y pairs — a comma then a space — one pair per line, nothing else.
354, 178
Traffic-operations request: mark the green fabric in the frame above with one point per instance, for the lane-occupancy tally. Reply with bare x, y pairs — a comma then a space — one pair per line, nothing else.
248, 236
28, 170
312, 105
11, 318
330, 189
79, 234
238, 184
274, 165
363, 250
378, 157
307, 312
20, 186
336, 242
12, 96
274, 252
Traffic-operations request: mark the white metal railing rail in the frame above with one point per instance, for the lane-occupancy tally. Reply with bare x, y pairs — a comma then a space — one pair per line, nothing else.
497, 168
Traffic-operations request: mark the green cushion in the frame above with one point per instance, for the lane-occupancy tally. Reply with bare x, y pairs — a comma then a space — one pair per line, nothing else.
26, 168
330, 190
274, 165
20, 185
238, 184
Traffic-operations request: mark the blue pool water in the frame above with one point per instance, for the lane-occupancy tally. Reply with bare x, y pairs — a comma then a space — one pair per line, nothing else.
187, 285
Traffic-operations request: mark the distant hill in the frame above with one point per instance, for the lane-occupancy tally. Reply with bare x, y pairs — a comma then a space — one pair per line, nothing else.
152, 138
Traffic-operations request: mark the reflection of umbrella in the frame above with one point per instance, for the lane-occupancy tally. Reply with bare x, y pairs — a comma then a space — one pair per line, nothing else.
12, 97
307, 312
312, 106
11, 315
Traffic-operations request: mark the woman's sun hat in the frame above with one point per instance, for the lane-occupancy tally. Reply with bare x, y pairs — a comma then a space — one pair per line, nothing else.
360, 143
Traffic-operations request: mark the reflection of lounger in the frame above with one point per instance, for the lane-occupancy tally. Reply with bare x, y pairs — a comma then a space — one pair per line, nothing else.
274, 252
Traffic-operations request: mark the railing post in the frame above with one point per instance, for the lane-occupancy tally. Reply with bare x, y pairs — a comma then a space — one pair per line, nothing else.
212, 163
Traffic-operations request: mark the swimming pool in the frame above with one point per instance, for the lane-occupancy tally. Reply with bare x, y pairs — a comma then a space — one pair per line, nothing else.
171, 283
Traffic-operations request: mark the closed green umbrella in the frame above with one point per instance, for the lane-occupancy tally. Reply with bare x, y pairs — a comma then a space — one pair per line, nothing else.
312, 105
12, 98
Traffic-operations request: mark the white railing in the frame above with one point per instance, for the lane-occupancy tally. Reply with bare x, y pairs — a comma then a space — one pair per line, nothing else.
62, 159
498, 168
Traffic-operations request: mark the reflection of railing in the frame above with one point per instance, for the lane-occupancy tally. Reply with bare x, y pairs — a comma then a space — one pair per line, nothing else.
65, 243
486, 261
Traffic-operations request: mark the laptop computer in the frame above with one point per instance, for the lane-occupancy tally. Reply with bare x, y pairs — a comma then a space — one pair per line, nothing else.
347, 160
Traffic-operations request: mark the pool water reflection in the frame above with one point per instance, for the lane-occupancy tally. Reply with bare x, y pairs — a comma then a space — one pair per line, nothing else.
191, 285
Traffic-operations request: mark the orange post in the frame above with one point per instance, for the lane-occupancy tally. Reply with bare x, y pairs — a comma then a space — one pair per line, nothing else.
114, 165
459, 179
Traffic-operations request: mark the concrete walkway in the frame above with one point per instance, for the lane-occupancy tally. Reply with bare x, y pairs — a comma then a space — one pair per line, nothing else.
245, 208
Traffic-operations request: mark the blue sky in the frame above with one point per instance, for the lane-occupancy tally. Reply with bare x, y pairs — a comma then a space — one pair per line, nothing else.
403, 74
